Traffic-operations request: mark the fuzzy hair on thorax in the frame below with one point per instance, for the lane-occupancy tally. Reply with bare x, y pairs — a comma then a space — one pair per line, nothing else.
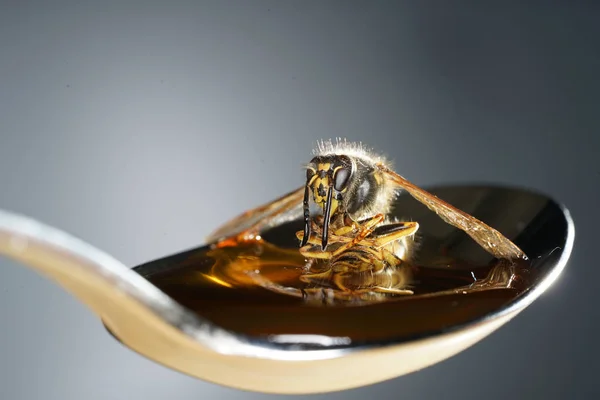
387, 191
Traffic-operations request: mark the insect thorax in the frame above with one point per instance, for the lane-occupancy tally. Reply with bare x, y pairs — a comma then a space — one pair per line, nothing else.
369, 193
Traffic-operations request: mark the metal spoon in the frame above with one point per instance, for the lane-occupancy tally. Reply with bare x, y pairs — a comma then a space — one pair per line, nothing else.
153, 324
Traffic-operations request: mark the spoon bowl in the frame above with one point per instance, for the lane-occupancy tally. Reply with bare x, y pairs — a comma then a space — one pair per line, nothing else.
319, 351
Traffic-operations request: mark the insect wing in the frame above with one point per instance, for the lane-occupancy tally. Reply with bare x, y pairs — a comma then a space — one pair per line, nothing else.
286, 208
487, 237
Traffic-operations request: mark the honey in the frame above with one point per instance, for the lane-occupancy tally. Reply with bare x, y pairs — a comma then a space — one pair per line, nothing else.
254, 288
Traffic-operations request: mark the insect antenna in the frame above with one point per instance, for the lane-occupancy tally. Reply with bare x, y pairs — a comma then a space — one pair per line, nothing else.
327, 215
306, 216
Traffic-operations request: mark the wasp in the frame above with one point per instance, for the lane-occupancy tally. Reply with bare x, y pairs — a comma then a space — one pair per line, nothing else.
352, 190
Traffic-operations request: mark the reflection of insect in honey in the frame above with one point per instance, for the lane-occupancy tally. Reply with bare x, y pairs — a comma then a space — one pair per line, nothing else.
367, 251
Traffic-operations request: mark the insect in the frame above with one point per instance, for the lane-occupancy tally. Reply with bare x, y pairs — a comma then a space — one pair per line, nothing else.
353, 190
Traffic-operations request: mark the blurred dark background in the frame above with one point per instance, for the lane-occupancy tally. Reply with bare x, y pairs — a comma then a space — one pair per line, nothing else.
117, 119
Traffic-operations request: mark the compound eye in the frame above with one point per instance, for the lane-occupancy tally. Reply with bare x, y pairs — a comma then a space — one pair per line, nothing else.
309, 173
341, 178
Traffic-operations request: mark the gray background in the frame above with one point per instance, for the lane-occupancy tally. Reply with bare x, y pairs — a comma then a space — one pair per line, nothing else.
117, 119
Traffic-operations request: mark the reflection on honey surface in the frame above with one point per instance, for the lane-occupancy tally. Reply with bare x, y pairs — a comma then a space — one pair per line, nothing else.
255, 288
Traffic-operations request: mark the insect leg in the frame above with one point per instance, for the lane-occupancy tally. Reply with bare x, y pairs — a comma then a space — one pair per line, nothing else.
385, 234
365, 229
345, 230
312, 251
380, 289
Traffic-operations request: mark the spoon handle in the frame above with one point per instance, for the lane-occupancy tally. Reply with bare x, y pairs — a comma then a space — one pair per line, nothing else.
92, 276
133, 309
